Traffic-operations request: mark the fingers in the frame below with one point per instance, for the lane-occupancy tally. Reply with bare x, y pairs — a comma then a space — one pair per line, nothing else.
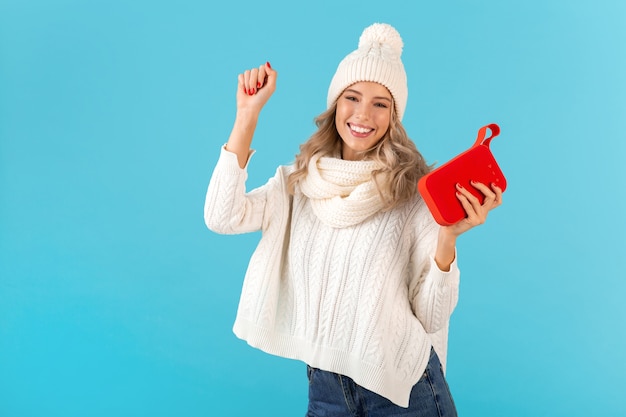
250, 83
492, 195
489, 193
477, 212
270, 78
252, 80
498, 192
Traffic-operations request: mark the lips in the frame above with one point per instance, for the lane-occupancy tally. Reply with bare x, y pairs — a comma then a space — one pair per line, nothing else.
360, 130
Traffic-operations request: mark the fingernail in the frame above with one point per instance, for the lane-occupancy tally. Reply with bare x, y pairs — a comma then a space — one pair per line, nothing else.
258, 85
268, 64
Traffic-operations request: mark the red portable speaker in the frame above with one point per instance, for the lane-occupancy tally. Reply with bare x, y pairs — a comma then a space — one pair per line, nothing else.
438, 187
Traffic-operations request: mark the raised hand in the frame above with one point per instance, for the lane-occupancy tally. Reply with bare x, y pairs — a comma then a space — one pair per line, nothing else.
255, 87
476, 212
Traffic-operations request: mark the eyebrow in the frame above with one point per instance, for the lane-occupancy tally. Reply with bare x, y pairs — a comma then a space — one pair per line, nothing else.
359, 93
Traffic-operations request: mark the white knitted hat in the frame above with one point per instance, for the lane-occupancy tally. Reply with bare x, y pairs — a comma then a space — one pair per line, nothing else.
376, 59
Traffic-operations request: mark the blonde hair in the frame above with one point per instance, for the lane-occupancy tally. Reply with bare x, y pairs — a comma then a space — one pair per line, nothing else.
402, 164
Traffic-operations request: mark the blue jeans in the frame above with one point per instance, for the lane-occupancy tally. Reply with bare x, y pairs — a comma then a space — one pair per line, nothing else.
334, 395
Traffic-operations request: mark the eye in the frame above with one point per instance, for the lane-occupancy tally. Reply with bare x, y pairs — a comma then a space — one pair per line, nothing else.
351, 98
381, 105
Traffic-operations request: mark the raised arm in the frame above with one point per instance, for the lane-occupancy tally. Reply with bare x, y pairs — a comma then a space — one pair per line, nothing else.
255, 87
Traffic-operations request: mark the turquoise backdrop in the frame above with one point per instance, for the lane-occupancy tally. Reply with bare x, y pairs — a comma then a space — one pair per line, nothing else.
115, 300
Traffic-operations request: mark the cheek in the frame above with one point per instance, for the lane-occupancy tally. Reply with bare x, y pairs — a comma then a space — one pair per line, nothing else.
338, 114
342, 112
383, 121
342, 116
338, 122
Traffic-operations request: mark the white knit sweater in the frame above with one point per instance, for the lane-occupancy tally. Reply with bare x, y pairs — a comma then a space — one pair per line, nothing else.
366, 301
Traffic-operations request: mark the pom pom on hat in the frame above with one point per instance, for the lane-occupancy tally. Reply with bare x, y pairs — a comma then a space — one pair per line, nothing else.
381, 35
376, 59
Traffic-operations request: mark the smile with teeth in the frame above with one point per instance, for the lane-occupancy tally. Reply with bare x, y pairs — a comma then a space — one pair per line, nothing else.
360, 129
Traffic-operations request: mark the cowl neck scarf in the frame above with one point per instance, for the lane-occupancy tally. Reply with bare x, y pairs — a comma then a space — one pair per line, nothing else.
342, 193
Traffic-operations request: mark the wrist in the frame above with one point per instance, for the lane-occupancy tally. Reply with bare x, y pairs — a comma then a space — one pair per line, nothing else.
246, 114
446, 249
447, 237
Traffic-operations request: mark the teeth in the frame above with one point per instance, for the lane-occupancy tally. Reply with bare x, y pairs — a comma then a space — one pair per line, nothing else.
360, 129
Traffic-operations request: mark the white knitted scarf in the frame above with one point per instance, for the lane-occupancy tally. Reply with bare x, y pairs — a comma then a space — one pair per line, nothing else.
342, 193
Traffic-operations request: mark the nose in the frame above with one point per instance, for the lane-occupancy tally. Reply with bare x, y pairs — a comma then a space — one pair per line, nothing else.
362, 112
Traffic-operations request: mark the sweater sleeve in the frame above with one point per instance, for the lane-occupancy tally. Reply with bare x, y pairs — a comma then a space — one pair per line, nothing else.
433, 293
228, 208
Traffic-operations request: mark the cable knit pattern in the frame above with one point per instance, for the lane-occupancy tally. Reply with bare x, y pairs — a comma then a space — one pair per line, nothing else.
364, 300
342, 193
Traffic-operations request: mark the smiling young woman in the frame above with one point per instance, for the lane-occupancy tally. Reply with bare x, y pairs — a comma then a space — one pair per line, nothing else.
352, 275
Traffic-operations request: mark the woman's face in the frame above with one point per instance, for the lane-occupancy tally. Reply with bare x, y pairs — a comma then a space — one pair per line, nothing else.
362, 117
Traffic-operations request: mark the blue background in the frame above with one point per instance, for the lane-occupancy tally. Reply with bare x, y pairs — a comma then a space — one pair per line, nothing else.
115, 300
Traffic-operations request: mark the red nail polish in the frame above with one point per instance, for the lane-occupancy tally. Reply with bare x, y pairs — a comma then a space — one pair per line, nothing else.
258, 85
268, 65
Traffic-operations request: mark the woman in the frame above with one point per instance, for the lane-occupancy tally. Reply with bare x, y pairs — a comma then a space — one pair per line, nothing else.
351, 275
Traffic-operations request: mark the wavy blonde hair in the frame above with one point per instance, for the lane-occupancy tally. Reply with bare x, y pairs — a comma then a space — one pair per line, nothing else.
402, 164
